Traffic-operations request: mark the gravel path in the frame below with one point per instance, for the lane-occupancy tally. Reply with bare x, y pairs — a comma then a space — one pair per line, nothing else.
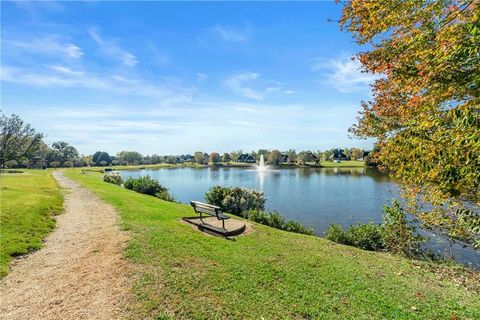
80, 273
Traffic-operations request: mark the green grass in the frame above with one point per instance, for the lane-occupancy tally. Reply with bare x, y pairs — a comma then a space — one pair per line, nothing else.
346, 163
27, 201
270, 273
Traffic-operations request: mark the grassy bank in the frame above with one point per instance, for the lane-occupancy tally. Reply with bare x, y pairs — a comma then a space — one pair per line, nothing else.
346, 163
28, 200
269, 273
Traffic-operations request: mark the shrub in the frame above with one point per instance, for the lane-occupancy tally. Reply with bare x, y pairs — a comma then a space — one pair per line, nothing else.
114, 178
147, 185
335, 233
55, 164
68, 164
11, 164
236, 201
296, 227
275, 220
364, 236
399, 235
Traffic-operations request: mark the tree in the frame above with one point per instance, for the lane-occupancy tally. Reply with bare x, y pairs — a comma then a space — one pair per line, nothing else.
214, 157
131, 157
235, 154
17, 139
356, 153
304, 157
347, 152
327, 154
64, 152
200, 157
274, 157
101, 156
425, 106
226, 158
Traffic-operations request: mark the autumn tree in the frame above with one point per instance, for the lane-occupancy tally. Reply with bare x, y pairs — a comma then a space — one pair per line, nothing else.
214, 157
425, 110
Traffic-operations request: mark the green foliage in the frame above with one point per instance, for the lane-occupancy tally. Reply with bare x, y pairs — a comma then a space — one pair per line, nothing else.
236, 201
102, 158
10, 164
275, 220
114, 178
336, 233
367, 236
425, 108
274, 157
395, 235
54, 164
131, 157
399, 234
148, 185
17, 139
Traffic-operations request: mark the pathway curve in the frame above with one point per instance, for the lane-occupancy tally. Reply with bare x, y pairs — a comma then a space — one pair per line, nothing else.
80, 273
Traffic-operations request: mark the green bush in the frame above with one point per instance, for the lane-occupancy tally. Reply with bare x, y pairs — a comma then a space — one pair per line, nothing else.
399, 234
114, 178
236, 201
147, 185
364, 236
395, 235
367, 236
275, 220
335, 233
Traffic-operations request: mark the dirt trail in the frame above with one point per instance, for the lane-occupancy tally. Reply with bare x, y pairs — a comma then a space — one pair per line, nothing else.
80, 273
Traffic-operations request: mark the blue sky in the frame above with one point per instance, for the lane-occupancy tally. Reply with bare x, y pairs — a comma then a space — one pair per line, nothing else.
172, 78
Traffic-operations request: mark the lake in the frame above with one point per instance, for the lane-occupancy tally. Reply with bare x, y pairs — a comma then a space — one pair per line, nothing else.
314, 197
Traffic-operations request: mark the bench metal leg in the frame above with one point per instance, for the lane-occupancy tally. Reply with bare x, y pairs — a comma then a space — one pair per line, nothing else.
223, 223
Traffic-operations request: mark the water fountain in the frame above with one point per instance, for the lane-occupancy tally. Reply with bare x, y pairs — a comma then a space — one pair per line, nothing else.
261, 166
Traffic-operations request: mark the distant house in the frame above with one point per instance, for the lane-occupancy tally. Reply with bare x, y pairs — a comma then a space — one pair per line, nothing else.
338, 155
284, 158
246, 158
313, 161
37, 163
185, 158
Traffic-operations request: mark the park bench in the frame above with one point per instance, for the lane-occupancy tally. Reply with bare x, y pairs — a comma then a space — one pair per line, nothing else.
210, 210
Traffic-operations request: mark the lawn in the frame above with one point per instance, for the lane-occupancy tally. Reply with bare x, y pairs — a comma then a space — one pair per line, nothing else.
269, 273
346, 163
28, 201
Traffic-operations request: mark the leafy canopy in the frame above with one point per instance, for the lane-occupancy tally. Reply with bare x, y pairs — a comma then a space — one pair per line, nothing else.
426, 104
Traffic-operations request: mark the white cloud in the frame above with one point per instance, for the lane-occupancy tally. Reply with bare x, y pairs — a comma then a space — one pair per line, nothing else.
232, 34
247, 84
237, 83
201, 76
50, 44
343, 74
55, 76
111, 48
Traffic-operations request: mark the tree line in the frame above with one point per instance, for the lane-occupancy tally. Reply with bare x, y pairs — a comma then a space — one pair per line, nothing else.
20, 143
